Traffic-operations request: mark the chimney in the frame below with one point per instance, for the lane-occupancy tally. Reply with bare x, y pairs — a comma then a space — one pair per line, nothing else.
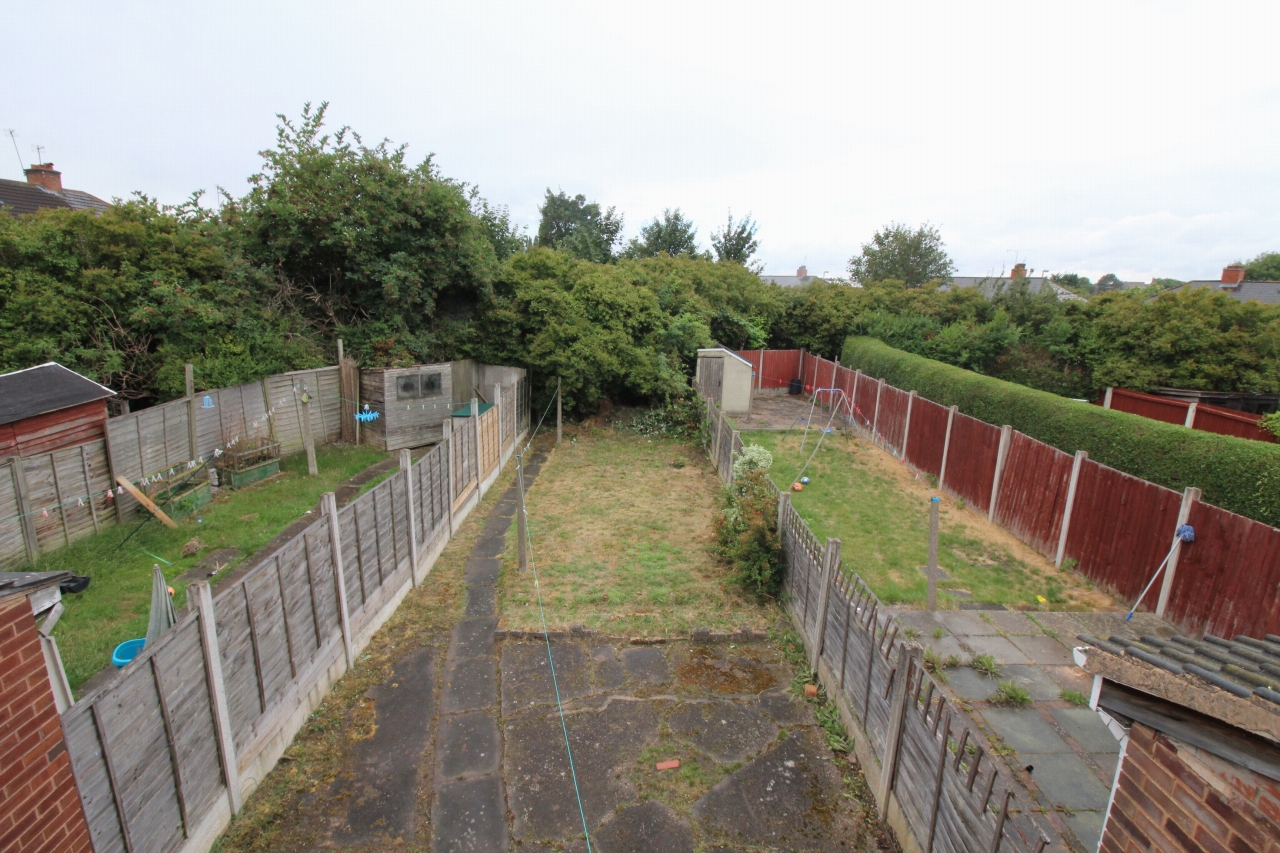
802, 272
1232, 275
1019, 271
44, 175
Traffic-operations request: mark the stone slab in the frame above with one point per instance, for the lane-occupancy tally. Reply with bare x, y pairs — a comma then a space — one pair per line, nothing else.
1106, 762
1087, 729
646, 663
1070, 678
970, 684
1044, 650
1087, 825
1066, 780
1034, 680
965, 623
1025, 730
715, 669
1013, 623
468, 744
727, 731
1004, 651
648, 827
922, 620
480, 601
472, 638
526, 674
946, 647
785, 709
608, 672
470, 816
469, 685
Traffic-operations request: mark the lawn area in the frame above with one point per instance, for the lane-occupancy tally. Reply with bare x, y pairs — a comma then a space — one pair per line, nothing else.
879, 511
622, 534
117, 603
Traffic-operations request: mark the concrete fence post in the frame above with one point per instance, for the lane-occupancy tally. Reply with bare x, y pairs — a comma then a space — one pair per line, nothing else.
875, 418
193, 440
1106, 400
830, 568
946, 447
522, 531
446, 441
330, 504
497, 404
307, 442
932, 594
1189, 497
906, 430
853, 398
217, 691
907, 657
1081, 456
406, 467
1006, 438
1190, 422
559, 412
475, 435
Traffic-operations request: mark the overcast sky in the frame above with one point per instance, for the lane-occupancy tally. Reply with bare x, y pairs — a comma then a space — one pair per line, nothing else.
1129, 137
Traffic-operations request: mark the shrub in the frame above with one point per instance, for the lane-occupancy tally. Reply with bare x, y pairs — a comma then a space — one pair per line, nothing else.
1236, 474
1009, 694
753, 457
747, 533
681, 418
986, 665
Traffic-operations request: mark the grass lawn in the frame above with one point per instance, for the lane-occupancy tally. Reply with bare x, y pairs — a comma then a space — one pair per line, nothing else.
879, 511
117, 603
622, 535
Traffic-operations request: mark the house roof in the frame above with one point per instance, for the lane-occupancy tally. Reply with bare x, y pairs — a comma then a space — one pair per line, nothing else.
45, 388
1267, 292
990, 286
790, 280
19, 197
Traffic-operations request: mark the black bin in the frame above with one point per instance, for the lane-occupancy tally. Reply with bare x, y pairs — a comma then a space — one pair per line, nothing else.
795, 387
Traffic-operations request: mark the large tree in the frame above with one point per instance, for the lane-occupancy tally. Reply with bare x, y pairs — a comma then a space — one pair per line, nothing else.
578, 227
737, 242
671, 233
1265, 267
899, 252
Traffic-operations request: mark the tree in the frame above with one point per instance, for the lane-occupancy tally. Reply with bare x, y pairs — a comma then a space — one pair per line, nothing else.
507, 238
577, 227
737, 243
1077, 284
672, 234
1265, 267
912, 256
1109, 282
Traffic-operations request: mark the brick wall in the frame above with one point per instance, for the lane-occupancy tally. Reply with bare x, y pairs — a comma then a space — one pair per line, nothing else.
1175, 797
39, 805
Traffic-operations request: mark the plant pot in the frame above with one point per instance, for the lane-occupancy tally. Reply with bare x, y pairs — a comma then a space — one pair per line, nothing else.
254, 473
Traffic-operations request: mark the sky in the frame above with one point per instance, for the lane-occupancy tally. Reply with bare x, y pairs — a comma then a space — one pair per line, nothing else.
1138, 138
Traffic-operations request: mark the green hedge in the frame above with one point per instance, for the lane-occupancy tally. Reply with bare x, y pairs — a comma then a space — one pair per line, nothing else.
1237, 474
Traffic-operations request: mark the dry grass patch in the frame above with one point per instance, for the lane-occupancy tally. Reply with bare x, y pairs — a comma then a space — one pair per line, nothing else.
622, 538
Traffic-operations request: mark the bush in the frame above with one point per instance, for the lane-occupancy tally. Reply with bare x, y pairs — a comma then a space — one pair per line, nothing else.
681, 419
747, 533
1237, 474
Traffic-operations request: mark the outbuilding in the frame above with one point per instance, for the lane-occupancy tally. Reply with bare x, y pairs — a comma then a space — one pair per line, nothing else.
726, 378
411, 404
49, 407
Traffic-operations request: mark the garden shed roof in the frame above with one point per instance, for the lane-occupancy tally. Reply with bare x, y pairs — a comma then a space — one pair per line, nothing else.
45, 388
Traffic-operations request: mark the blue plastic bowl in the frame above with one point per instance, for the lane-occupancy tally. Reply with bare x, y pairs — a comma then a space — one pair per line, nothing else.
127, 651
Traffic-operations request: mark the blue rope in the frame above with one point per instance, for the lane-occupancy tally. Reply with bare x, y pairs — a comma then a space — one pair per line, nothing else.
537, 588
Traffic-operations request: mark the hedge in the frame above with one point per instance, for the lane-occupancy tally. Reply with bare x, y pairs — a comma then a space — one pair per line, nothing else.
1237, 474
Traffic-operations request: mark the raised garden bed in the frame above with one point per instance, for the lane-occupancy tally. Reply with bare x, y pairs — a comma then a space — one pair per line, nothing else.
187, 501
249, 464
238, 479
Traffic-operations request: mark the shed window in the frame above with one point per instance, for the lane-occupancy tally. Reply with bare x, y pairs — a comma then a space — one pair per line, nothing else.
418, 385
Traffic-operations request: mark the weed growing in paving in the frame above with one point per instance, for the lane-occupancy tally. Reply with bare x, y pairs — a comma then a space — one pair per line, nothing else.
1010, 695
911, 633
986, 665
938, 633
937, 664
1075, 697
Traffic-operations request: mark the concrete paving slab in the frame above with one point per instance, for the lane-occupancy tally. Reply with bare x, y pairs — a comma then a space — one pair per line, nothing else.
542, 798
489, 548
1106, 762
969, 684
468, 744
788, 799
1044, 650
1066, 780
483, 571
1004, 651
1013, 623
719, 670
469, 685
1087, 826
965, 623
1032, 679
381, 788
1070, 678
1025, 731
727, 731
946, 647
480, 601
922, 620
526, 674
472, 638
470, 816
648, 827
608, 673
1087, 729
646, 663
786, 709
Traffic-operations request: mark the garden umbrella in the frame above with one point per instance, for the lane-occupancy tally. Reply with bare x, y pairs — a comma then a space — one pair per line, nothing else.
162, 616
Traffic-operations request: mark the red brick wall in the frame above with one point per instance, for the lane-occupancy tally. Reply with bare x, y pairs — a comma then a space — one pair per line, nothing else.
39, 805
1175, 797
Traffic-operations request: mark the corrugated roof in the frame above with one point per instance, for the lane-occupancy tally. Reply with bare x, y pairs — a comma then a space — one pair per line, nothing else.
46, 388
1243, 666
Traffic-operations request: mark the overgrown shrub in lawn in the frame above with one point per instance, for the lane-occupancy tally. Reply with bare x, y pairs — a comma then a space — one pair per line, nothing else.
1237, 474
681, 418
747, 527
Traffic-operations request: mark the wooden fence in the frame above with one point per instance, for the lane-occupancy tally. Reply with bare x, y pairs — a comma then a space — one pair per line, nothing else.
1201, 416
164, 753
1115, 527
51, 500
932, 770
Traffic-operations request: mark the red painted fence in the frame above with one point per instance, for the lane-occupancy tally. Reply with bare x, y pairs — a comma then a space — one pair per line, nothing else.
1207, 418
1119, 527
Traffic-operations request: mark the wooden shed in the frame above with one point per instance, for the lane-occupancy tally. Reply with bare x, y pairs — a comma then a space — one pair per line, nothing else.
412, 404
46, 408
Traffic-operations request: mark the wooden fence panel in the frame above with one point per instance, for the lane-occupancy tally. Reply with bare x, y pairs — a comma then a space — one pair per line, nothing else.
261, 591
92, 779
238, 412
364, 562
385, 515
971, 460
297, 610
864, 403
1149, 406
892, 422
350, 546
13, 539
1229, 422
780, 367
1033, 493
489, 443
239, 664
324, 583
1121, 528
148, 442
181, 671
285, 394
711, 378
927, 436
1226, 581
